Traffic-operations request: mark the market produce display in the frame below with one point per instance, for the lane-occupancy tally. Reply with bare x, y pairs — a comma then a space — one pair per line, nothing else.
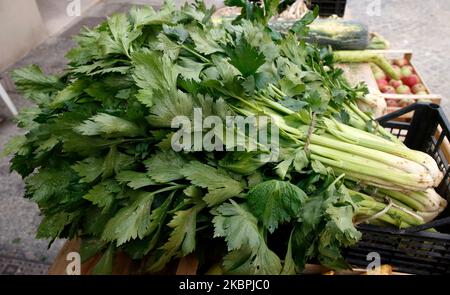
98, 155
408, 83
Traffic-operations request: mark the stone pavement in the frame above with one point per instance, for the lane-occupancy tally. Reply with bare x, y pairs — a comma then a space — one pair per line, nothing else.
409, 24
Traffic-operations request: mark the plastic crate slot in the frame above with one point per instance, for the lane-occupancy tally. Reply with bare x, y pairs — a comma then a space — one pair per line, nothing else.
374, 247
377, 237
423, 246
403, 133
362, 254
444, 188
436, 153
422, 255
419, 265
417, 252
438, 143
414, 239
381, 242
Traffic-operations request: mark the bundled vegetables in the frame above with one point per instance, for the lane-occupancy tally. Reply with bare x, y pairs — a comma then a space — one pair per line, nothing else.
103, 159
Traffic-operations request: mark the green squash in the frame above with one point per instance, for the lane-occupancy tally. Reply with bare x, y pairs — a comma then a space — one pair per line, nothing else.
338, 33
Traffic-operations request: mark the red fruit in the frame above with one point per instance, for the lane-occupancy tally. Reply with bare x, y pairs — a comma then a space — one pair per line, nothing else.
379, 75
391, 102
418, 88
395, 83
381, 83
410, 80
401, 62
405, 72
388, 89
403, 89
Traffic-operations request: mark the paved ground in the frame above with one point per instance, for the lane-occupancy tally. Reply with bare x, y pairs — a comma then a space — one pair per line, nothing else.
413, 24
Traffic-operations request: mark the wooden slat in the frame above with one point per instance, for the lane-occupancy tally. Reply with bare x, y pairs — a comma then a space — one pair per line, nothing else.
445, 145
187, 266
356, 73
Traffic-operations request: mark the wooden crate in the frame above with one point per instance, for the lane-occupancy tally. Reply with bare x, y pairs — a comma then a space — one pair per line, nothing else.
361, 72
407, 54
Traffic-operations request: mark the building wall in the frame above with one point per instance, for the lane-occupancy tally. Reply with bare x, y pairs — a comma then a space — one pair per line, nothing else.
59, 14
26, 23
21, 28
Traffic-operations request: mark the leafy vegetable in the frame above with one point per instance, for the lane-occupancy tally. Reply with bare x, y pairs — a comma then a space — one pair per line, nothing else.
275, 202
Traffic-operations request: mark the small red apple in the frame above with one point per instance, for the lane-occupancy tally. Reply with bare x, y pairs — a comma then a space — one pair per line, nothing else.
388, 89
401, 62
395, 83
418, 88
379, 75
410, 80
381, 83
403, 89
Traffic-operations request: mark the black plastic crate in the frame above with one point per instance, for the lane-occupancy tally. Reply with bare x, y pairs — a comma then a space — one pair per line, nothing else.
329, 7
413, 250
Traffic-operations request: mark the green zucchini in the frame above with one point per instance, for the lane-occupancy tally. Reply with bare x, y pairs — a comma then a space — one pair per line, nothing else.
337, 33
